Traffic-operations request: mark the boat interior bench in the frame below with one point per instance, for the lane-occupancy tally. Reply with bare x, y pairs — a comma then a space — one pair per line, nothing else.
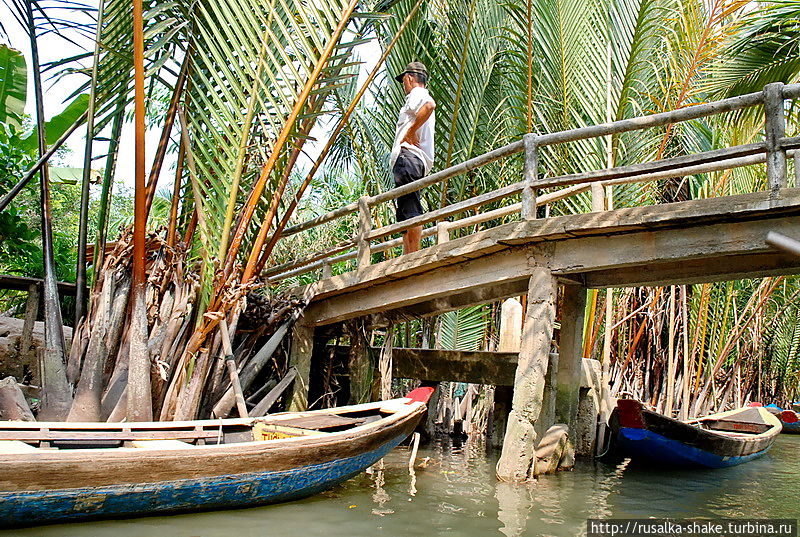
158, 438
735, 426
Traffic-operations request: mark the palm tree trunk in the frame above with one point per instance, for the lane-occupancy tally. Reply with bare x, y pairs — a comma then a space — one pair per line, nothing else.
139, 396
80, 268
56, 393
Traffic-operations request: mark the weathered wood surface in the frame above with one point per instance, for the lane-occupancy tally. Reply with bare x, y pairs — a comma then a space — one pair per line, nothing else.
478, 367
71, 468
22, 283
300, 357
698, 240
789, 91
266, 403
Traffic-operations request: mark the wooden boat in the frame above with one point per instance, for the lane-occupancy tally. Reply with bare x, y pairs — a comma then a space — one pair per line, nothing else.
715, 441
790, 419
57, 472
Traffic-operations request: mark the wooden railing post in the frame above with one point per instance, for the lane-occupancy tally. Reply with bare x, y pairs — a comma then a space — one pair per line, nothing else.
774, 129
598, 197
442, 232
364, 227
531, 174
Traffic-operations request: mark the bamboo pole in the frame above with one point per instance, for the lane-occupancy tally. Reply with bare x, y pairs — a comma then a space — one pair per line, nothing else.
231, 363
671, 354
686, 373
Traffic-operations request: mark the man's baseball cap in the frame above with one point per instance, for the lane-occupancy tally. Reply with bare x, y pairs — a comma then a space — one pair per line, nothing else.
416, 68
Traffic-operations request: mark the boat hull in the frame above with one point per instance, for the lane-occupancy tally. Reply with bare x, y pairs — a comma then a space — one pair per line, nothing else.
62, 485
791, 428
27, 508
658, 449
656, 439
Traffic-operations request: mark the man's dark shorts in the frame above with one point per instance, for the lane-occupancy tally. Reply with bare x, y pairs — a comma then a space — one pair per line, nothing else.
407, 169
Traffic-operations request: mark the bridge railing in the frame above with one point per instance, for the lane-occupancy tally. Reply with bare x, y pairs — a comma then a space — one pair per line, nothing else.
774, 151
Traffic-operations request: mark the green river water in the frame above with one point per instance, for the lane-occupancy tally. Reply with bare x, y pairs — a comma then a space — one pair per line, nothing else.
456, 493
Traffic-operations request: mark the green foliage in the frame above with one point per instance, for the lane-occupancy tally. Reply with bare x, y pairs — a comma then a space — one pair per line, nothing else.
464, 330
13, 86
58, 125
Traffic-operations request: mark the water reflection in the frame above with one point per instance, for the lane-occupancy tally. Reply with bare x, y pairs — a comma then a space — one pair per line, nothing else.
454, 492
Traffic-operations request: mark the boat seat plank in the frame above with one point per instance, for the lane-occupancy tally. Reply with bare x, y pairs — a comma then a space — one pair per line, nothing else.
15, 446
264, 431
160, 444
322, 421
122, 436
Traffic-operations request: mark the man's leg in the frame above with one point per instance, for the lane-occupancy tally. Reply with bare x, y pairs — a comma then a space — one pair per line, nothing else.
411, 239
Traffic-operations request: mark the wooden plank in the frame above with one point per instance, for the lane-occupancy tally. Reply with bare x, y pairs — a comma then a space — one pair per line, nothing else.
23, 283
160, 444
477, 367
51, 436
128, 426
300, 357
15, 446
774, 131
322, 421
674, 165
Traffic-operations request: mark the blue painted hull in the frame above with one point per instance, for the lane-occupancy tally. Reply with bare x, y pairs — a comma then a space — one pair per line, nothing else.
657, 449
218, 492
791, 428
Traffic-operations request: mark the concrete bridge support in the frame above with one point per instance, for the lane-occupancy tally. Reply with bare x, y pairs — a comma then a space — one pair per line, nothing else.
570, 353
517, 461
510, 339
546, 385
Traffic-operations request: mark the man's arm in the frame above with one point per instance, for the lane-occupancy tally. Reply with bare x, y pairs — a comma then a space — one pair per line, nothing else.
423, 114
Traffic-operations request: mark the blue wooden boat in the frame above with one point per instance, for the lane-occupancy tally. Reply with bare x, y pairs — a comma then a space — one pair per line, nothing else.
715, 441
790, 419
58, 472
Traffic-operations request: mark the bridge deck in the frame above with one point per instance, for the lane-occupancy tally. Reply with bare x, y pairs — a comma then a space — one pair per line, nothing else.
686, 242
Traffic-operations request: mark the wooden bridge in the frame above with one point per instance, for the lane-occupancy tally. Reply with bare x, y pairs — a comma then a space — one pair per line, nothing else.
700, 240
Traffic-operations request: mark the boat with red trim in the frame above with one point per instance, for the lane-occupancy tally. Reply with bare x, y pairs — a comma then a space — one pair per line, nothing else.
714, 441
790, 419
59, 472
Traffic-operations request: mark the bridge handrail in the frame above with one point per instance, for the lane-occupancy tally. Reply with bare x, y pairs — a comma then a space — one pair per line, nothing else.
775, 147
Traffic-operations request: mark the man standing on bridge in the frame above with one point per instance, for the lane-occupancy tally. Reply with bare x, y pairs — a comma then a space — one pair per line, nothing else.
412, 152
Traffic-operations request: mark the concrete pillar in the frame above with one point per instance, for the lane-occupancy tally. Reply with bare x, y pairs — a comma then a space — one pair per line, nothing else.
300, 357
588, 408
517, 462
554, 450
570, 356
547, 417
510, 339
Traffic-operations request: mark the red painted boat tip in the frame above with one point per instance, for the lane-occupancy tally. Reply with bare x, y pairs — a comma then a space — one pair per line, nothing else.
630, 414
787, 416
754, 404
420, 394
